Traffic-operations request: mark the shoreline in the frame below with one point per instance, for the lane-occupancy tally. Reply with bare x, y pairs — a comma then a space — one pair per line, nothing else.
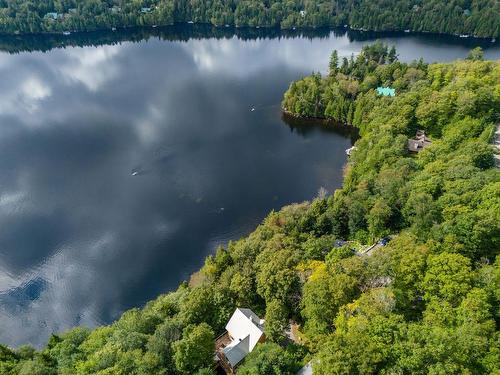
346, 28
304, 124
325, 121
288, 113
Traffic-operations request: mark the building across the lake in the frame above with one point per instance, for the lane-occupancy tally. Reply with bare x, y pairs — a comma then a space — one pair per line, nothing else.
386, 91
53, 15
418, 143
243, 332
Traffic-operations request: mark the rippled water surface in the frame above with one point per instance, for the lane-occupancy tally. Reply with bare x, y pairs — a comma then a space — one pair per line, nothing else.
123, 165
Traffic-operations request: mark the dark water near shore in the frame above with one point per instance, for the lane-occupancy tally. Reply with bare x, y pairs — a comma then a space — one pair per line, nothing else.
123, 165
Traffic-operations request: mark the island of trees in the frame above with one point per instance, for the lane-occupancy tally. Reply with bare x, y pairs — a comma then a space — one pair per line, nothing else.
478, 18
425, 302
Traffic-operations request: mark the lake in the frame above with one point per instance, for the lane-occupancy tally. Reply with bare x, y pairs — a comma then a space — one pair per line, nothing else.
128, 157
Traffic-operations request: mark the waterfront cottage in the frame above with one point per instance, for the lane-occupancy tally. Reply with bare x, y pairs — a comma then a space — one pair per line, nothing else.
243, 332
418, 143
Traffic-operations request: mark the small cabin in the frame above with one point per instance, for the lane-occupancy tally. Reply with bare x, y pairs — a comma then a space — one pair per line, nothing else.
145, 10
52, 15
243, 332
386, 91
418, 143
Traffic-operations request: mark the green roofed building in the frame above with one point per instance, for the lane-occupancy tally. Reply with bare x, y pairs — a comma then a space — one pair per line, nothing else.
386, 91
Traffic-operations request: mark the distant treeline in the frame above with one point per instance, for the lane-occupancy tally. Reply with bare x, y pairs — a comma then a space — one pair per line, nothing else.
183, 32
178, 32
479, 18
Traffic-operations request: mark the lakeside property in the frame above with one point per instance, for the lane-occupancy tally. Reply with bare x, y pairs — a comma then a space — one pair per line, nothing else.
425, 301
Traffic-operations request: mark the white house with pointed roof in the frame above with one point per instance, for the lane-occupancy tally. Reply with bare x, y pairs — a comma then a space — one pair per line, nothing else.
244, 331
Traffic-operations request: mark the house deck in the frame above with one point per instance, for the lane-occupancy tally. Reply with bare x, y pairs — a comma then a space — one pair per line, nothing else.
222, 341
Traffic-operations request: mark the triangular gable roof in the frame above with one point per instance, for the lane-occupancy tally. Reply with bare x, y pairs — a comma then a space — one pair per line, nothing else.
236, 351
306, 370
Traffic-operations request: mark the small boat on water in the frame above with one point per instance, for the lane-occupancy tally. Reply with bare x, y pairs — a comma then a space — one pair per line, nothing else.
407, 31
350, 150
155, 26
135, 173
66, 33
253, 109
493, 40
190, 22
113, 29
464, 35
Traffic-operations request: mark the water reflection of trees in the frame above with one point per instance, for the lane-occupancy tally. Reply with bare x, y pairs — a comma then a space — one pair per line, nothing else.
180, 32
304, 126
184, 32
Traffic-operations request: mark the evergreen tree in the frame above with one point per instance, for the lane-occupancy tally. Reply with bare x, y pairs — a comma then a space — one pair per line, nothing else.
334, 62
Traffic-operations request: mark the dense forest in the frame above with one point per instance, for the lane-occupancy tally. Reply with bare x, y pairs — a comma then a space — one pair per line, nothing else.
424, 301
467, 17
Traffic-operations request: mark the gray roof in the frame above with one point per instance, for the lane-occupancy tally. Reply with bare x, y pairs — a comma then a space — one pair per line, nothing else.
252, 316
237, 352
306, 370
419, 142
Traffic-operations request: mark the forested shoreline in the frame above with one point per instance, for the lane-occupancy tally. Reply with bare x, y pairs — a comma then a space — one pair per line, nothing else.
478, 18
184, 32
425, 302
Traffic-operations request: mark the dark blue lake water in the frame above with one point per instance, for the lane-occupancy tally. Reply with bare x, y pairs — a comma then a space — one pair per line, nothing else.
123, 165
